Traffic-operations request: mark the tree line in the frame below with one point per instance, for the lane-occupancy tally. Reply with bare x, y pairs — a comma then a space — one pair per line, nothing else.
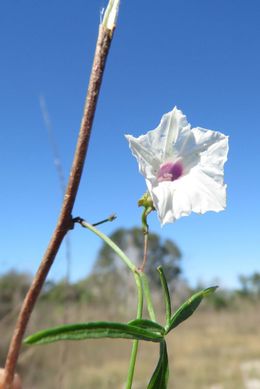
110, 278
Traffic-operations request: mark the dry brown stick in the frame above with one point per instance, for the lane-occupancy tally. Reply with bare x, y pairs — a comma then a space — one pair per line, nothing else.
65, 222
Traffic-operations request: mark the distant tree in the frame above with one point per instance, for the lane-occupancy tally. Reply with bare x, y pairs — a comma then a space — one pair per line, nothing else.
13, 287
250, 285
160, 252
65, 293
244, 282
255, 280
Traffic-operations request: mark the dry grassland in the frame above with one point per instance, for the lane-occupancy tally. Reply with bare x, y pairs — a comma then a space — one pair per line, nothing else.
212, 350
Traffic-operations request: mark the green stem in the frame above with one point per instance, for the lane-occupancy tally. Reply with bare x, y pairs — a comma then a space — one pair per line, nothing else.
138, 281
140, 296
109, 242
145, 213
148, 297
132, 363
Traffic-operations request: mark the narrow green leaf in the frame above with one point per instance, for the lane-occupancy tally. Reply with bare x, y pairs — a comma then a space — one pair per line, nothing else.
94, 330
166, 295
148, 325
160, 376
187, 308
148, 296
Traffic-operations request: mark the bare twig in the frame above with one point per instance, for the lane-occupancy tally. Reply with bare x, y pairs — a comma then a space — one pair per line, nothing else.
65, 222
108, 219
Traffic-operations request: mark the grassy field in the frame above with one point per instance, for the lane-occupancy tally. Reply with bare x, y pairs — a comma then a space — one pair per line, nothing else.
212, 350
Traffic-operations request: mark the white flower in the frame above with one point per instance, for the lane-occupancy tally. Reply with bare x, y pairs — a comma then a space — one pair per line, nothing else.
182, 166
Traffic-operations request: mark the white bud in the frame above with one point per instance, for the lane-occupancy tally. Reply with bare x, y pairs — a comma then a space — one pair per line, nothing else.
111, 13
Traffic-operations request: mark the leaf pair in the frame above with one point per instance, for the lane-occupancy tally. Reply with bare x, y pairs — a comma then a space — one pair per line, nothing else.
160, 376
186, 309
138, 329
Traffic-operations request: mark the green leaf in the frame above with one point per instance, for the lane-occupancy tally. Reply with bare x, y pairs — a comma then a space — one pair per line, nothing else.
160, 376
148, 296
166, 295
148, 325
187, 308
94, 330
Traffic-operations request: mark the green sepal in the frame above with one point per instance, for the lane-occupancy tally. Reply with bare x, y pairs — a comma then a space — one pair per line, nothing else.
160, 375
188, 307
148, 325
93, 330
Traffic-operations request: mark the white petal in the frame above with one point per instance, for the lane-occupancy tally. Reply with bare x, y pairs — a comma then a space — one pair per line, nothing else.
148, 162
172, 128
213, 158
170, 202
203, 154
155, 147
195, 192
192, 145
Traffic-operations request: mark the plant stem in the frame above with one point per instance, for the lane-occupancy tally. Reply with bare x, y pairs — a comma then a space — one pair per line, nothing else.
108, 241
138, 281
145, 251
144, 279
147, 210
131, 368
64, 223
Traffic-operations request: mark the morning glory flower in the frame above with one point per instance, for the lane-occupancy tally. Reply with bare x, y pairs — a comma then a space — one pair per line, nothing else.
182, 166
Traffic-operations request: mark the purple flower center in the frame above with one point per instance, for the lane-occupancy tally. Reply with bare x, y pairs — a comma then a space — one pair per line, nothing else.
170, 171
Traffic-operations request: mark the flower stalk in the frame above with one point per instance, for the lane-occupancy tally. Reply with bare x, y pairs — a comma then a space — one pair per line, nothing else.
146, 202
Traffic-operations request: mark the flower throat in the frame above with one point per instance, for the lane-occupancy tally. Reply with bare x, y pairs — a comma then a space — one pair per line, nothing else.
170, 171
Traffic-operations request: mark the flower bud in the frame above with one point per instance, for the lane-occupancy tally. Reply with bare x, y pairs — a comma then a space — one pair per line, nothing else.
110, 15
146, 201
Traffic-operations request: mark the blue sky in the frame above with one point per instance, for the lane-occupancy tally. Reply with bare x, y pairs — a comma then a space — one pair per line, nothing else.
202, 56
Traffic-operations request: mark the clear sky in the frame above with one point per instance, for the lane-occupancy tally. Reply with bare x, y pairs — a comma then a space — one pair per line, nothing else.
202, 56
